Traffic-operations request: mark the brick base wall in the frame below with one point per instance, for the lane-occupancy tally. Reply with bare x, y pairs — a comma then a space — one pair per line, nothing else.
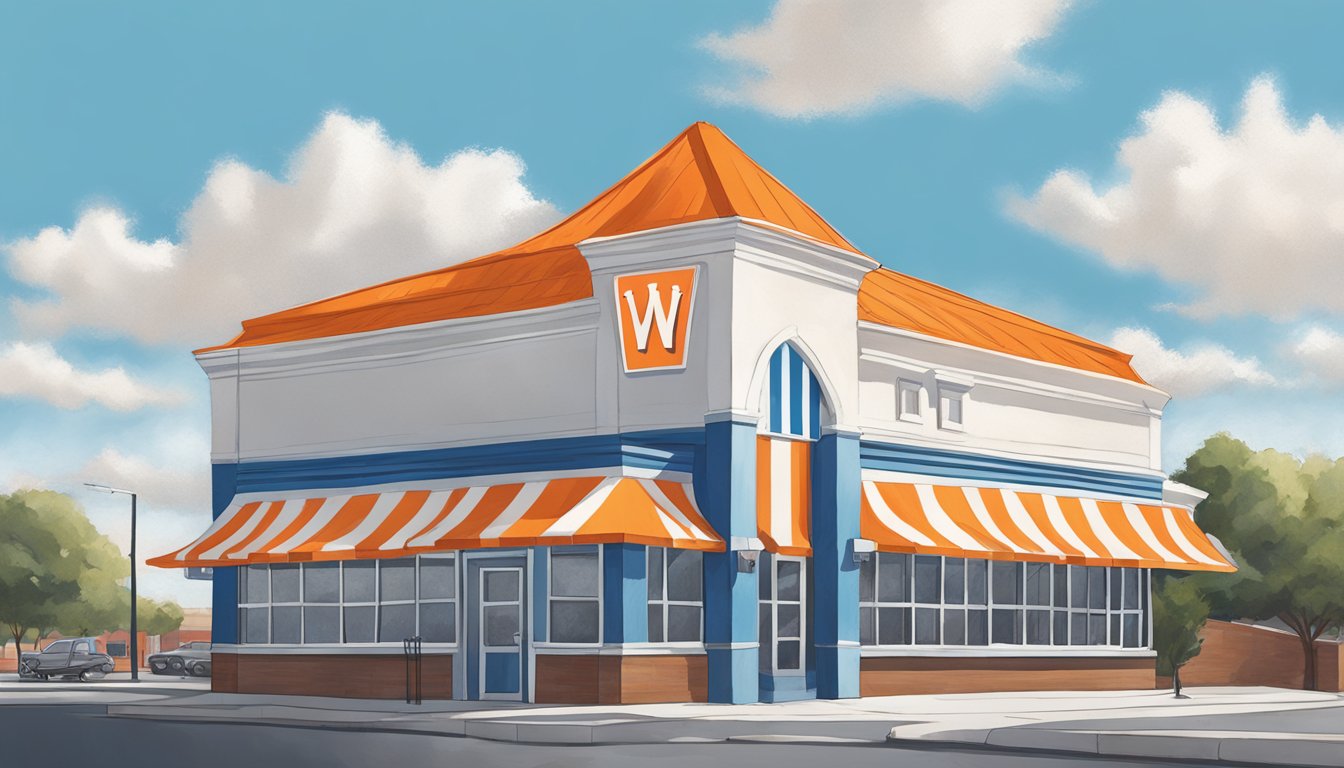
621, 679
1240, 654
354, 676
899, 675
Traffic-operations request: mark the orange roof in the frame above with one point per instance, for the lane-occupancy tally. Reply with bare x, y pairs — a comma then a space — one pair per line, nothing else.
699, 175
900, 301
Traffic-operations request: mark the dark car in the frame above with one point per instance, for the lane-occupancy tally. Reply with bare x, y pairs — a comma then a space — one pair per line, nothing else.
68, 658
188, 659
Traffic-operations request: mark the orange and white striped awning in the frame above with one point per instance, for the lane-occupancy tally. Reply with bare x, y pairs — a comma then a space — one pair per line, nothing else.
784, 495
396, 523
1005, 524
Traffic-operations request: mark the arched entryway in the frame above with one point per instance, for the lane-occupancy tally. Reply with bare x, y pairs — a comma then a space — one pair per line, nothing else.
794, 410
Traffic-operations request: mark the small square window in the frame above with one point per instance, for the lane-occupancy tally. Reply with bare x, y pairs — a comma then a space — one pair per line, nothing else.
909, 402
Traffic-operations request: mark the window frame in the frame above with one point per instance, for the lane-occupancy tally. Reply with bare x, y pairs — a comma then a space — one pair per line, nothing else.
243, 605
600, 599
664, 603
1115, 640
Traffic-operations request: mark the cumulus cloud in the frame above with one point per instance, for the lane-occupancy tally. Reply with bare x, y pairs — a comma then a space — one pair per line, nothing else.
1250, 217
354, 208
37, 371
1198, 370
812, 58
1320, 352
180, 483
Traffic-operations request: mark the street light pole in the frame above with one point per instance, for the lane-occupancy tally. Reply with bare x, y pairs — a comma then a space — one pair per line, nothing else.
135, 607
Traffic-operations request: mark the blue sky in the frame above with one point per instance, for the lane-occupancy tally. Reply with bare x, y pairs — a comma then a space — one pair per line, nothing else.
130, 109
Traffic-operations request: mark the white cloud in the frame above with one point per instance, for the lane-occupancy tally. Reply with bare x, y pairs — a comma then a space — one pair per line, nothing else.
177, 485
353, 209
1320, 352
1198, 370
1251, 217
37, 371
812, 58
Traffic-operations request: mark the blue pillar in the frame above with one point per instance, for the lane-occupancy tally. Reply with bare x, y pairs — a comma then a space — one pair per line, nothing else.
625, 594
224, 584
836, 484
726, 489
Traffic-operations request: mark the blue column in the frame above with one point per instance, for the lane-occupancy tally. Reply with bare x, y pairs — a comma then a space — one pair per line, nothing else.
224, 584
835, 521
726, 490
625, 594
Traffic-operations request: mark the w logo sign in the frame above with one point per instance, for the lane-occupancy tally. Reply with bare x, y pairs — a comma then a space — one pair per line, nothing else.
653, 310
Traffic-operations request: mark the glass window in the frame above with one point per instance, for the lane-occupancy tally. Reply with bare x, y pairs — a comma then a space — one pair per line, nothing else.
675, 593
928, 578
575, 605
954, 581
360, 622
287, 623
256, 584
360, 579
893, 578
396, 580
285, 587
574, 574
322, 583
438, 578
359, 601
930, 600
321, 624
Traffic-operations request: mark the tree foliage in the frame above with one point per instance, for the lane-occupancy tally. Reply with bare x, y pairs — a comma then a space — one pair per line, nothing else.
1179, 613
59, 573
1282, 518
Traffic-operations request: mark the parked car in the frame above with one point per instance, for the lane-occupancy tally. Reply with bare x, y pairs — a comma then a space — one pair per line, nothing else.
67, 658
187, 659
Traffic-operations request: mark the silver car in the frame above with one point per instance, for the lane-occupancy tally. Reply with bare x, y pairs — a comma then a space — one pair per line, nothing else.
67, 658
188, 659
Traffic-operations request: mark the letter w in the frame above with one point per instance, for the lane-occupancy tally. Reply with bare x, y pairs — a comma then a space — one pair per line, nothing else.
654, 310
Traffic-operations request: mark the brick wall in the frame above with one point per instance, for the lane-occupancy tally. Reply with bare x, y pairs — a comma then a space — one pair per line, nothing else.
899, 675
621, 679
1240, 654
342, 675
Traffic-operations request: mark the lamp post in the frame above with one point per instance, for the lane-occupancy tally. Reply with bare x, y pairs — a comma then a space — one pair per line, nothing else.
135, 635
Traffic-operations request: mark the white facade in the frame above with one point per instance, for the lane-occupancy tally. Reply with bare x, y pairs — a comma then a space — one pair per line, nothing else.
556, 371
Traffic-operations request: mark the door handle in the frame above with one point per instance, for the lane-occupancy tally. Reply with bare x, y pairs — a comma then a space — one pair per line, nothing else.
517, 637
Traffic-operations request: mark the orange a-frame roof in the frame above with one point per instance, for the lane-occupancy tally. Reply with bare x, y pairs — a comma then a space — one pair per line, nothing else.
700, 175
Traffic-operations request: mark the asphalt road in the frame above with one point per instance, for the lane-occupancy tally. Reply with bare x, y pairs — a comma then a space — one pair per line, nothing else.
36, 731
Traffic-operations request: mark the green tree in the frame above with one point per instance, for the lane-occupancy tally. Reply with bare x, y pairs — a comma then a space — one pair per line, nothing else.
159, 617
1179, 613
1282, 518
51, 559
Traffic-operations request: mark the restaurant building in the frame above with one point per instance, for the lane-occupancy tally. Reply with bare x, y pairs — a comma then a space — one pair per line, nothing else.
689, 444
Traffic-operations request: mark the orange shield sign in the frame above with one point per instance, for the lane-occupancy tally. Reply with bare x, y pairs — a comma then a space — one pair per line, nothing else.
653, 311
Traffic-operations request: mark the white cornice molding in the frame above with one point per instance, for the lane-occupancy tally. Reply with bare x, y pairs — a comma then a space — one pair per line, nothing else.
1147, 398
442, 338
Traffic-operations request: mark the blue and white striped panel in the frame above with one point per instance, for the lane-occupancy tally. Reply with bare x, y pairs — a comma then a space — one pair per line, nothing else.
795, 396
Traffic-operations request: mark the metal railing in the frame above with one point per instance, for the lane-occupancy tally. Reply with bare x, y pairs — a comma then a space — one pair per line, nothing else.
411, 648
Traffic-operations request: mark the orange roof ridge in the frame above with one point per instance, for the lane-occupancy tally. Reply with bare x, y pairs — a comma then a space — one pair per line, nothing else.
699, 175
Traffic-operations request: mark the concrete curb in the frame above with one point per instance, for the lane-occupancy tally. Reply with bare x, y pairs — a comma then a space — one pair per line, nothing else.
1313, 750
505, 729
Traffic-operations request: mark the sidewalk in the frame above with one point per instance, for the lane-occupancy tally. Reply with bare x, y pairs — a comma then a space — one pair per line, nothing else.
1251, 725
